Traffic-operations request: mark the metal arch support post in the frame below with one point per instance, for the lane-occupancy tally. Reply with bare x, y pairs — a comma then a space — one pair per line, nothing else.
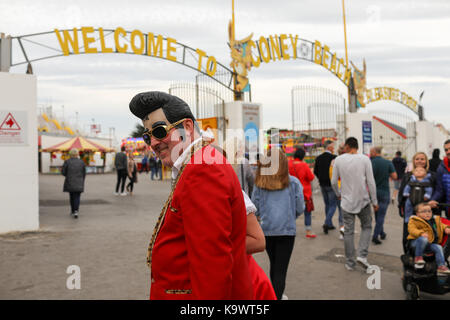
352, 97
5, 52
29, 68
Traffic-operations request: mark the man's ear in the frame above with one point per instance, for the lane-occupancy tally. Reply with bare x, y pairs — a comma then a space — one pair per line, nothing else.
188, 125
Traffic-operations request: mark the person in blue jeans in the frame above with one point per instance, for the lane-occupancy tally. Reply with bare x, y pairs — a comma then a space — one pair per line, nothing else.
322, 172
382, 170
341, 150
426, 233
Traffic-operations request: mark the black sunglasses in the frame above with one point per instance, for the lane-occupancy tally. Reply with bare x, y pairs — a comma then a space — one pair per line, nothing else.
160, 131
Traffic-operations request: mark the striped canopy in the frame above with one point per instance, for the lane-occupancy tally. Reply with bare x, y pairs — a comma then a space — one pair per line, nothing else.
80, 143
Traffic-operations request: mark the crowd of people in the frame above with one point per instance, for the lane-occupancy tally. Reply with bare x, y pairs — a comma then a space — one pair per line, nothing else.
217, 215
126, 167
153, 164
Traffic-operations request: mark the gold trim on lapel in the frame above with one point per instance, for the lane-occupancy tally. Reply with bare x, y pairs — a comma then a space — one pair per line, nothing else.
178, 291
201, 144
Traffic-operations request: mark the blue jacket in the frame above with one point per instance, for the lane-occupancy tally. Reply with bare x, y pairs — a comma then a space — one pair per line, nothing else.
279, 209
428, 190
409, 208
442, 193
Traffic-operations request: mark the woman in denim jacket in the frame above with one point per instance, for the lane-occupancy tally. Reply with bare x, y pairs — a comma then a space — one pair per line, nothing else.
278, 198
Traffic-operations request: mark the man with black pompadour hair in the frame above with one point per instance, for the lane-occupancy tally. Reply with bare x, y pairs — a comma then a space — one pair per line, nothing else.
197, 250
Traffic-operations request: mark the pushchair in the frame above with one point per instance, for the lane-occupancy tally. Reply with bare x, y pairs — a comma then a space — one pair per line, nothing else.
426, 279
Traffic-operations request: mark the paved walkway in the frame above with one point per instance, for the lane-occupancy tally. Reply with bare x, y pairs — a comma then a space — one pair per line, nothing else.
109, 244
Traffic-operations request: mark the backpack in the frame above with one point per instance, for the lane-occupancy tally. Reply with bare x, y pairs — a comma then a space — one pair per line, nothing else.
417, 193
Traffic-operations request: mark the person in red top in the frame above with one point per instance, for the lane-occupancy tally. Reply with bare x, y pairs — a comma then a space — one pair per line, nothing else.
302, 172
198, 247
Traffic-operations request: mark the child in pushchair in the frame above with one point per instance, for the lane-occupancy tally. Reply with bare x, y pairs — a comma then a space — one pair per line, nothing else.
425, 262
427, 233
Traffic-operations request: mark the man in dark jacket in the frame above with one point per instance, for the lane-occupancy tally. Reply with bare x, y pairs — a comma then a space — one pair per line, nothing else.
442, 192
121, 164
322, 171
382, 171
435, 161
400, 166
74, 170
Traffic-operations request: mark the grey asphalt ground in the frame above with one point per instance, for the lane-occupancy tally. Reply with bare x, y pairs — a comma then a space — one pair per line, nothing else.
109, 244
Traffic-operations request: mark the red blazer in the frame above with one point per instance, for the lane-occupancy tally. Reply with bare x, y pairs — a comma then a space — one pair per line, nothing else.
199, 252
262, 287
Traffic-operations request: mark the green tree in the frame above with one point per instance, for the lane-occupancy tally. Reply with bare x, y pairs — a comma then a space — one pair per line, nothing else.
138, 131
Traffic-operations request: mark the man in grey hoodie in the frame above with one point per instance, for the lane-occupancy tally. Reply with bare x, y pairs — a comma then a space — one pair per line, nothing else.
121, 163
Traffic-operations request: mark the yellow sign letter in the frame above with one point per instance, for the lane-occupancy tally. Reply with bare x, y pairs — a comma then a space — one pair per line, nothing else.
211, 66
257, 62
284, 47
118, 32
326, 56
317, 52
87, 40
67, 39
201, 54
265, 58
102, 42
140, 49
170, 49
154, 47
275, 46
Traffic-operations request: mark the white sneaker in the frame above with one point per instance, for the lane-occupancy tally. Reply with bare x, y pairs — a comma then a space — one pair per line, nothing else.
363, 262
348, 267
123, 194
116, 193
341, 237
284, 297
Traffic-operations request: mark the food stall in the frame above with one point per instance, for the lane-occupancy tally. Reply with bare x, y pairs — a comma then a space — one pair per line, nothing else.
93, 154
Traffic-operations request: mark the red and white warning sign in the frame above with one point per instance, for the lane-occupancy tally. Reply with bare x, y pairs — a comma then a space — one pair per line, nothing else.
9, 123
13, 125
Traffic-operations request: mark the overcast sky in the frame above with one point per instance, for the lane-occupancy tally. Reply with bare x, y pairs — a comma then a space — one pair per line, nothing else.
405, 44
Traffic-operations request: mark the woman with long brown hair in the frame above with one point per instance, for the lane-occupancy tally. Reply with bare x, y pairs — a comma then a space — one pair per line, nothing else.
278, 198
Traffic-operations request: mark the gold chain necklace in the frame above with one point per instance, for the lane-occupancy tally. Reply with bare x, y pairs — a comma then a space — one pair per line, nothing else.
162, 215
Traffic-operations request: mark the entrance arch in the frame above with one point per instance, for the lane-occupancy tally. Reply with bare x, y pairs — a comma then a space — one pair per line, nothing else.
395, 95
87, 40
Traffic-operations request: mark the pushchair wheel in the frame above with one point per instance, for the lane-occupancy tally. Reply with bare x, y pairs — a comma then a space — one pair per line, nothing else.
404, 283
412, 291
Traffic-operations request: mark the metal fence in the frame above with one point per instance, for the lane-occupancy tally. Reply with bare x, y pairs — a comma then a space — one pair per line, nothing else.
318, 112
